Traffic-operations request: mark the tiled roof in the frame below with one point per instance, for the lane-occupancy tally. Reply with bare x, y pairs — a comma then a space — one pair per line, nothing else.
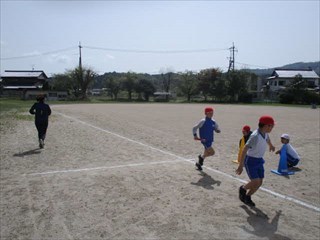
293, 73
23, 74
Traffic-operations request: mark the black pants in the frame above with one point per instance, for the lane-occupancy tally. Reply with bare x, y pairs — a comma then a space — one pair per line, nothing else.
42, 129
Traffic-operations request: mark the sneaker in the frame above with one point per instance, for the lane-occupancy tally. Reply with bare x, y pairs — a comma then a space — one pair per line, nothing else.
200, 160
199, 166
242, 194
41, 143
248, 201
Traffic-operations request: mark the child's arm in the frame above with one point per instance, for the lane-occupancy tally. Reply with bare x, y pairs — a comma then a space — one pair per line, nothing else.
32, 109
195, 129
271, 147
216, 128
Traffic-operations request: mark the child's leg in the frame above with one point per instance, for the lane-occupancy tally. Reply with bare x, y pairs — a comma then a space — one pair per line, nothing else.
208, 152
252, 186
291, 162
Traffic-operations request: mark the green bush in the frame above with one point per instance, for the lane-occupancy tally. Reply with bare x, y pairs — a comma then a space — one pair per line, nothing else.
311, 97
286, 98
246, 98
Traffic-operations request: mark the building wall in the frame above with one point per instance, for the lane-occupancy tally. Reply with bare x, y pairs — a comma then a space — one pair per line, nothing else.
50, 95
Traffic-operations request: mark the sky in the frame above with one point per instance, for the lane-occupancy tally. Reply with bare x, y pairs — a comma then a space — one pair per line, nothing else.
157, 36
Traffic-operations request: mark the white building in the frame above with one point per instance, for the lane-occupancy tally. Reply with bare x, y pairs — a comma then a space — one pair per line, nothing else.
282, 78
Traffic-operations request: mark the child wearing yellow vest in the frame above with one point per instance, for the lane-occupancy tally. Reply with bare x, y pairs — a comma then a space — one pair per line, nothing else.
246, 132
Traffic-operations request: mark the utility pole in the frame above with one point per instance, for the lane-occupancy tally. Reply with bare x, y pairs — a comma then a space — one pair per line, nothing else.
80, 76
231, 59
80, 60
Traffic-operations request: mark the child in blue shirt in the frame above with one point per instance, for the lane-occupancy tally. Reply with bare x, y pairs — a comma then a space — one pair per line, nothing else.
207, 126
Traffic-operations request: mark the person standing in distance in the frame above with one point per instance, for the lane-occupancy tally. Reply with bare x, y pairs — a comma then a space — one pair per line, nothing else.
42, 111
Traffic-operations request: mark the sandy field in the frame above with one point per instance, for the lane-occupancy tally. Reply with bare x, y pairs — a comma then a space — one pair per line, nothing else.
126, 171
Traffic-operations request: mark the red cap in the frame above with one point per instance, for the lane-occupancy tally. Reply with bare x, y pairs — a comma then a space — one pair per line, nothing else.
208, 109
246, 128
267, 120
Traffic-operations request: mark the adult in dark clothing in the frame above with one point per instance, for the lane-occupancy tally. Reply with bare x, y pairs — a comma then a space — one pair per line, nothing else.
42, 112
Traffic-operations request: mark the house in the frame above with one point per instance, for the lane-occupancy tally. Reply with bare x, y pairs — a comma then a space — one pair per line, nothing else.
161, 96
18, 82
281, 78
28, 84
49, 95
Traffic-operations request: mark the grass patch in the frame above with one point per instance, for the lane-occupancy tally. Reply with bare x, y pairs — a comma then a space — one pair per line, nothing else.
12, 110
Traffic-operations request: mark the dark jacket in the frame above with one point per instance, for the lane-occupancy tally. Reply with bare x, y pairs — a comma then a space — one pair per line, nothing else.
42, 112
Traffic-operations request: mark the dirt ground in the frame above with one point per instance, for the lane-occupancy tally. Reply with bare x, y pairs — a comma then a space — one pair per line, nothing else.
126, 171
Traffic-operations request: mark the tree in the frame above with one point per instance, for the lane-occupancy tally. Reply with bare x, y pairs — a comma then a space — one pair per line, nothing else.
114, 86
129, 83
84, 77
296, 92
220, 90
62, 82
146, 88
237, 83
166, 76
207, 81
188, 84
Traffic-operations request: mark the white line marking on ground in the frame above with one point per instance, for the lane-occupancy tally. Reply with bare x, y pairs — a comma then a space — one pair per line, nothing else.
105, 167
188, 160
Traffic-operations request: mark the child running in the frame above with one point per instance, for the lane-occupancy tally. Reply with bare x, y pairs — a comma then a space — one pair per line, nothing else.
252, 159
41, 111
293, 157
207, 126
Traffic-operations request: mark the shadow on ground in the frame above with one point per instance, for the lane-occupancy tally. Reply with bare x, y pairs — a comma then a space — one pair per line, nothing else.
29, 152
259, 221
206, 181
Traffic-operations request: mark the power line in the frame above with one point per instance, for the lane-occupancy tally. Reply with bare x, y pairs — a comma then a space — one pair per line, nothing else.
39, 54
247, 64
119, 50
157, 51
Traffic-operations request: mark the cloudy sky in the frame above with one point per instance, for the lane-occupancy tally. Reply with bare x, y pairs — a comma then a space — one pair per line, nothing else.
154, 36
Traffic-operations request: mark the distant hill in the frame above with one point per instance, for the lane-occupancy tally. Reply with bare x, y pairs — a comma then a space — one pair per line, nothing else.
299, 65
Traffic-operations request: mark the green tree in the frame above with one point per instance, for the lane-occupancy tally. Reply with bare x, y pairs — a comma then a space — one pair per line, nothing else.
298, 89
220, 90
145, 88
129, 83
62, 82
237, 83
188, 84
84, 77
166, 77
208, 79
114, 86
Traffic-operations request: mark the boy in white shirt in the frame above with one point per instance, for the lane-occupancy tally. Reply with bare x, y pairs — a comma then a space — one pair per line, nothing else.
293, 157
252, 158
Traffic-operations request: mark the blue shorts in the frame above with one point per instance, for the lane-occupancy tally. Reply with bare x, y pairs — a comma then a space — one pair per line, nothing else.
254, 167
292, 161
207, 144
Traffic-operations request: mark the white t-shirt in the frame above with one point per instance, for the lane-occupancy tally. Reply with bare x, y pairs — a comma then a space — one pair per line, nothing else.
292, 152
257, 144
